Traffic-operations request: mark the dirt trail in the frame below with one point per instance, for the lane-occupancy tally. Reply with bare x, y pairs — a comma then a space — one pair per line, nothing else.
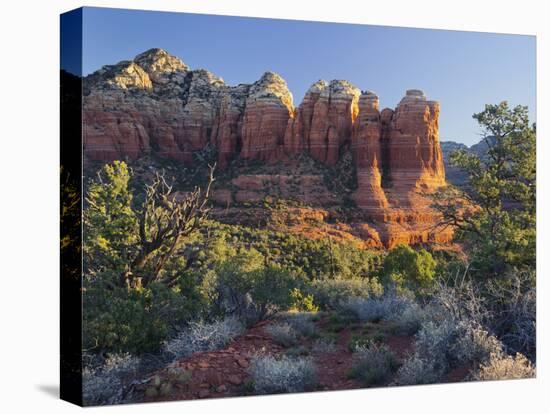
224, 373
333, 367
218, 373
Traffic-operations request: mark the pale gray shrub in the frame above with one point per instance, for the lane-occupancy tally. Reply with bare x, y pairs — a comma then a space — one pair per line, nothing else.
417, 370
442, 343
409, 321
283, 334
502, 366
323, 346
330, 293
433, 353
387, 307
460, 326
374, 364
270, 375
201, 336
474, 344
104, 383
301, 322
435, 341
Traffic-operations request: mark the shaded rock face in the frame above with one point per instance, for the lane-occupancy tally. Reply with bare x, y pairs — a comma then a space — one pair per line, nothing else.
156, 104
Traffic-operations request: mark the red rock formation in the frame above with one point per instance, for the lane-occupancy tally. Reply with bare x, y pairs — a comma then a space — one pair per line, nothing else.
131, 108
415, 159
297, 135
226, 135
367, 155
156, 104
403, 145
328, 126
307, 188
267, 111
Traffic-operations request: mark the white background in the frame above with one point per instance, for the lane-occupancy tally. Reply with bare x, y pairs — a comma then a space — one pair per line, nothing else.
29, 148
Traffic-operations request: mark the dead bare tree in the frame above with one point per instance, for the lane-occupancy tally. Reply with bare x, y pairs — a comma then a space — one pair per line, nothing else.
165, 220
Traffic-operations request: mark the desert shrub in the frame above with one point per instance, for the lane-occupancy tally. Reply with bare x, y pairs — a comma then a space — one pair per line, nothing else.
301, 322
297, 351
338, 321
409, 269
374, 364
103, 382
409, 321
133, 320
270, 375
283, 334
271, 290
253, 292
173, 376
511, 302
460, 301
432, 356
323, 346
417, 370
435, 341
445, 342
501, 366
474, 344
302, 302
386, 307
201, 336
358, 342
349, 261
461, 309
329, 293
505, 307
302, 255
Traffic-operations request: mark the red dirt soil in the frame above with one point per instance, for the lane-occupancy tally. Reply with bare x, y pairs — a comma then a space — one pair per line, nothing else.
224, 373
333, 368
219, 373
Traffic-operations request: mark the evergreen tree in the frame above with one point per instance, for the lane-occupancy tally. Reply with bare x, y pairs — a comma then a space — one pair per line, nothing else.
495, 213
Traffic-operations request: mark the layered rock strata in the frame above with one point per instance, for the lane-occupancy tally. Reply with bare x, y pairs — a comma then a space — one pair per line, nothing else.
324, 120
156, 104
367, 155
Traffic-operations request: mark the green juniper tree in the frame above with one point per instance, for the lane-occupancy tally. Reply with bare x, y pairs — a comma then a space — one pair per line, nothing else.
137, 242
110, 222
495, 213
409, 269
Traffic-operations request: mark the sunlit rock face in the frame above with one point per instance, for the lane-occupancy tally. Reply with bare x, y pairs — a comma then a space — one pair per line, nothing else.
156, 104
415, 158
267, 111
324, 120
153, 103
367, 154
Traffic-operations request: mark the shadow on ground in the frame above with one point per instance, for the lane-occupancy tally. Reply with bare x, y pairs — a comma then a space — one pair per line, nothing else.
49, 389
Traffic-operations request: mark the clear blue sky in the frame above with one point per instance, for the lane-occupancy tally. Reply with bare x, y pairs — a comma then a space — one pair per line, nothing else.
462, 70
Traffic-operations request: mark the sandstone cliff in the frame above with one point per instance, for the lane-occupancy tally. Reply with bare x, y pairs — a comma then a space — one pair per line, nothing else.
155, 104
